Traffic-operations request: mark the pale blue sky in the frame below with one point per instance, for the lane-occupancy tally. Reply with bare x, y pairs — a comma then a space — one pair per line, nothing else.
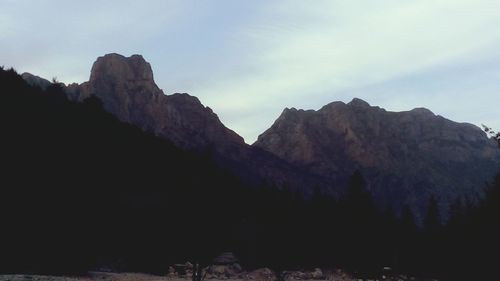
248, 60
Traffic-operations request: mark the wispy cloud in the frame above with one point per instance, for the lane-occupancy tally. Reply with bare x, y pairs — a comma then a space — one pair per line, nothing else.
62, 38
332, 46
249, 59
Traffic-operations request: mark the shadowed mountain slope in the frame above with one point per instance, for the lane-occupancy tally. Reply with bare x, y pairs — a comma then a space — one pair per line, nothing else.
407, 157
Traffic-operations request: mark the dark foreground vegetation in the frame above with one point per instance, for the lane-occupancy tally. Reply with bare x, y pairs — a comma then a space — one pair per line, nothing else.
82, 191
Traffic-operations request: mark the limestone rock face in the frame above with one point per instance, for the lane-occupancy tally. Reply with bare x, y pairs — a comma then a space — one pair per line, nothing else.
127, 89
405, 156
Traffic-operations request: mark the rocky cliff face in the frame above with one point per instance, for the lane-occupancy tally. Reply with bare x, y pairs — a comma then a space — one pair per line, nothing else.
127, 89
406, 156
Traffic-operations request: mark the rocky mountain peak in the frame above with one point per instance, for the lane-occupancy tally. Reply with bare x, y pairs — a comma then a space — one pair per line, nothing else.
407, 156
127, 89
185, 98
356, 102
291, 114
422, 111
133, 68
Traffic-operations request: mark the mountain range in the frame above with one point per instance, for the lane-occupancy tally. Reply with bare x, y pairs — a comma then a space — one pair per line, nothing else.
406, 157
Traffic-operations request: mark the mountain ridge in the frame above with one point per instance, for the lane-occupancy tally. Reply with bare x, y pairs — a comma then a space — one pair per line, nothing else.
408, 157
127, 88
303, 148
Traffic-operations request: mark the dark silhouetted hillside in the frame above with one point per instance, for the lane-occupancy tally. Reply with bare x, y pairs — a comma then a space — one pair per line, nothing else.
78, 184
80, 190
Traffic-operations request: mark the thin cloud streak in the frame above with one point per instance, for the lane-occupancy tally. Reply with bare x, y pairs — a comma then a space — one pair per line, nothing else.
351, 47
249, 60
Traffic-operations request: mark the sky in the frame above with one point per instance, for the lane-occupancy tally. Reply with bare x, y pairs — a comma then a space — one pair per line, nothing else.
248, 60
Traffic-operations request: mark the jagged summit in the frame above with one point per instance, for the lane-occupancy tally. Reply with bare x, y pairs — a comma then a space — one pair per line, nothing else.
358, 103
407, 156
115, 65
293, 112
339, 105
127, 89
422, 111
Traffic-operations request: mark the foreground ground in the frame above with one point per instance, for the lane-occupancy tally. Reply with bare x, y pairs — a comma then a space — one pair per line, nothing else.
105, 276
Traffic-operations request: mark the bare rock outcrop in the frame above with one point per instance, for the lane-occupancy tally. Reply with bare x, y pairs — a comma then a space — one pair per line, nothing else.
127, 89
405, 156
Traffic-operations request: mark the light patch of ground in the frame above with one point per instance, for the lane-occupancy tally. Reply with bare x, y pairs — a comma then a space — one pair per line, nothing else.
99, 276
104, 276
